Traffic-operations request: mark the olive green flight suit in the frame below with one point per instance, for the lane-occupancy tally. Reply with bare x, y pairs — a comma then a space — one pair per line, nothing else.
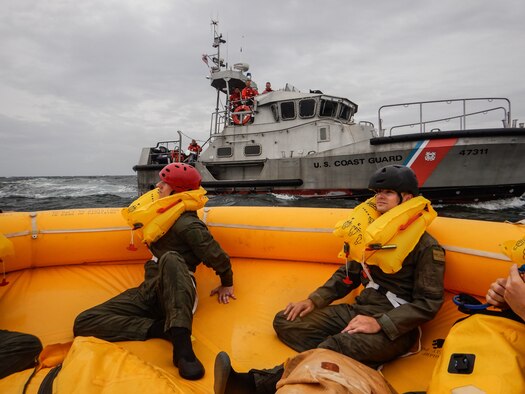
18, 351
419, 282
168, 292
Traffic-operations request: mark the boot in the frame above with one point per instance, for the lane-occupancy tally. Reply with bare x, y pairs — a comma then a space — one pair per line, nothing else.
227, 381
184, 358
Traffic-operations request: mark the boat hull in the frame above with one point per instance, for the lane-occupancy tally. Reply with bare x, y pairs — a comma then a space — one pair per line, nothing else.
451, 167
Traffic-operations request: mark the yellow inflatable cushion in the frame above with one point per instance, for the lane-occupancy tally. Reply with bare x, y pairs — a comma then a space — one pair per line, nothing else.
96, 366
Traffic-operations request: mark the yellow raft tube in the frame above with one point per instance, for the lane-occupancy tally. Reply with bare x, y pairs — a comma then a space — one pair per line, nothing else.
66, 261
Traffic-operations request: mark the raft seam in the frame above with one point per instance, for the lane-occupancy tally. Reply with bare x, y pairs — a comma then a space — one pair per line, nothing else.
475, 252
271, 228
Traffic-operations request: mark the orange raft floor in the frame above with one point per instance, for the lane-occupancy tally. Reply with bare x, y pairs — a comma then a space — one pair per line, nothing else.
44, 301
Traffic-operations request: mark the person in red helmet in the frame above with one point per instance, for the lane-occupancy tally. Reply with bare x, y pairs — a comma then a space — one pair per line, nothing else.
162, 306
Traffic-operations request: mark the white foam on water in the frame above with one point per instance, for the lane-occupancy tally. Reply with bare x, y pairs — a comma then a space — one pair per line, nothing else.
286, 197
496, 205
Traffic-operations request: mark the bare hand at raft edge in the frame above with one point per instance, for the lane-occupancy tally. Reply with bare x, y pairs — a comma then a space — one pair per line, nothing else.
508, 292
301, 309
515, 292
362, 324
496, 294
224, 293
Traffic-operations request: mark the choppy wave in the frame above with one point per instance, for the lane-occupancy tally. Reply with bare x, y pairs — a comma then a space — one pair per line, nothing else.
45, 193
62, 187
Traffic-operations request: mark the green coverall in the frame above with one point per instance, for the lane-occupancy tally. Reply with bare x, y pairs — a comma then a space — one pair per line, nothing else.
419, 282
168, 292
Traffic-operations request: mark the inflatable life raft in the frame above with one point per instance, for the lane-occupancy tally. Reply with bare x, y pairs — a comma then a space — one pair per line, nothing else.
69, 260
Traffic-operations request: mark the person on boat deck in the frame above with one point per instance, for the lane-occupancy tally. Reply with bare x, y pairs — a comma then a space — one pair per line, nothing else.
162, 305
195, 149
268, 88
18, 351
509, 292
248, 92
235, 97
384, 321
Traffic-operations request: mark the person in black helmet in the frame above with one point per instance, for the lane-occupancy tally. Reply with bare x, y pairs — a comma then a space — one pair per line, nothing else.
374, 329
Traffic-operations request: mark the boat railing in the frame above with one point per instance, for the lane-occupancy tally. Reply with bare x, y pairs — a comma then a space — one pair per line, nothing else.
221, 118
462, 117
166, 152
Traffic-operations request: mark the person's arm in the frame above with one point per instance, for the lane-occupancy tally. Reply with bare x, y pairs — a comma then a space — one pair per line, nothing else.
208, 250
428, 294
336, 287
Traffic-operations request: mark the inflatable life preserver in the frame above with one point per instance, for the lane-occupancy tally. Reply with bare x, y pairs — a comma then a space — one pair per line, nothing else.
515, 250
366, 231
235, 116
151, 217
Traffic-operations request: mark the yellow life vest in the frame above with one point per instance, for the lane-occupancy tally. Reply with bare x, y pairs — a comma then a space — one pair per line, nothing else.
366, 231
515, 250
151, 217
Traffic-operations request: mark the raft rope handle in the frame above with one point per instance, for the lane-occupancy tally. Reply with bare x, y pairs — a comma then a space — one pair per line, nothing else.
475, 307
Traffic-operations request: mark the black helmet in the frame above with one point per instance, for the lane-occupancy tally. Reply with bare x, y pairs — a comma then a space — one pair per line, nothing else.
398, 178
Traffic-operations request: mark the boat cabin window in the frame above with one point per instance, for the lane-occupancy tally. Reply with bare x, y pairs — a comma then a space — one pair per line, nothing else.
275, 112
252, 150
224, 151
328, 108
323, 134
344, 112
306, 108
288, 110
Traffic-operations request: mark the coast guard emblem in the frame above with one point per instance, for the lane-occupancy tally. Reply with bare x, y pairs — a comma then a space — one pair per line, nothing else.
430, 156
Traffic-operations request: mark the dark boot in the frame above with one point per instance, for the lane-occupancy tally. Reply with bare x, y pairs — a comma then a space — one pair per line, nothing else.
227, 381
184, 358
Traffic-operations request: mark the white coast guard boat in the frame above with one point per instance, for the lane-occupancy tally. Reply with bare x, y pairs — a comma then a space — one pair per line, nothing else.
309, 143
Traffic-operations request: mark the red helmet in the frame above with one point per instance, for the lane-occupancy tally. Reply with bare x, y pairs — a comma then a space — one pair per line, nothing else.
180, 177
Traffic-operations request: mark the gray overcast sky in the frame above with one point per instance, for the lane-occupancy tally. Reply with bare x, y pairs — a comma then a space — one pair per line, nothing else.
84, 85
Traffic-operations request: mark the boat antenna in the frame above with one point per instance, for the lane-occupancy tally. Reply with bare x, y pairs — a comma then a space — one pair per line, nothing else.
240, 49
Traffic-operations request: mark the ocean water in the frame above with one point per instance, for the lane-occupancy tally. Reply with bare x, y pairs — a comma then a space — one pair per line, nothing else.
24, 194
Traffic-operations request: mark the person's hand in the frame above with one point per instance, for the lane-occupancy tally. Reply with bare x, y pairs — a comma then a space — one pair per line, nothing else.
363, 324
301, 308
223, 294
515, 292
496, 294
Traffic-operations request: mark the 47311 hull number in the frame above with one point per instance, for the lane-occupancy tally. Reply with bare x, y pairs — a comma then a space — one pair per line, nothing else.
473, 152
